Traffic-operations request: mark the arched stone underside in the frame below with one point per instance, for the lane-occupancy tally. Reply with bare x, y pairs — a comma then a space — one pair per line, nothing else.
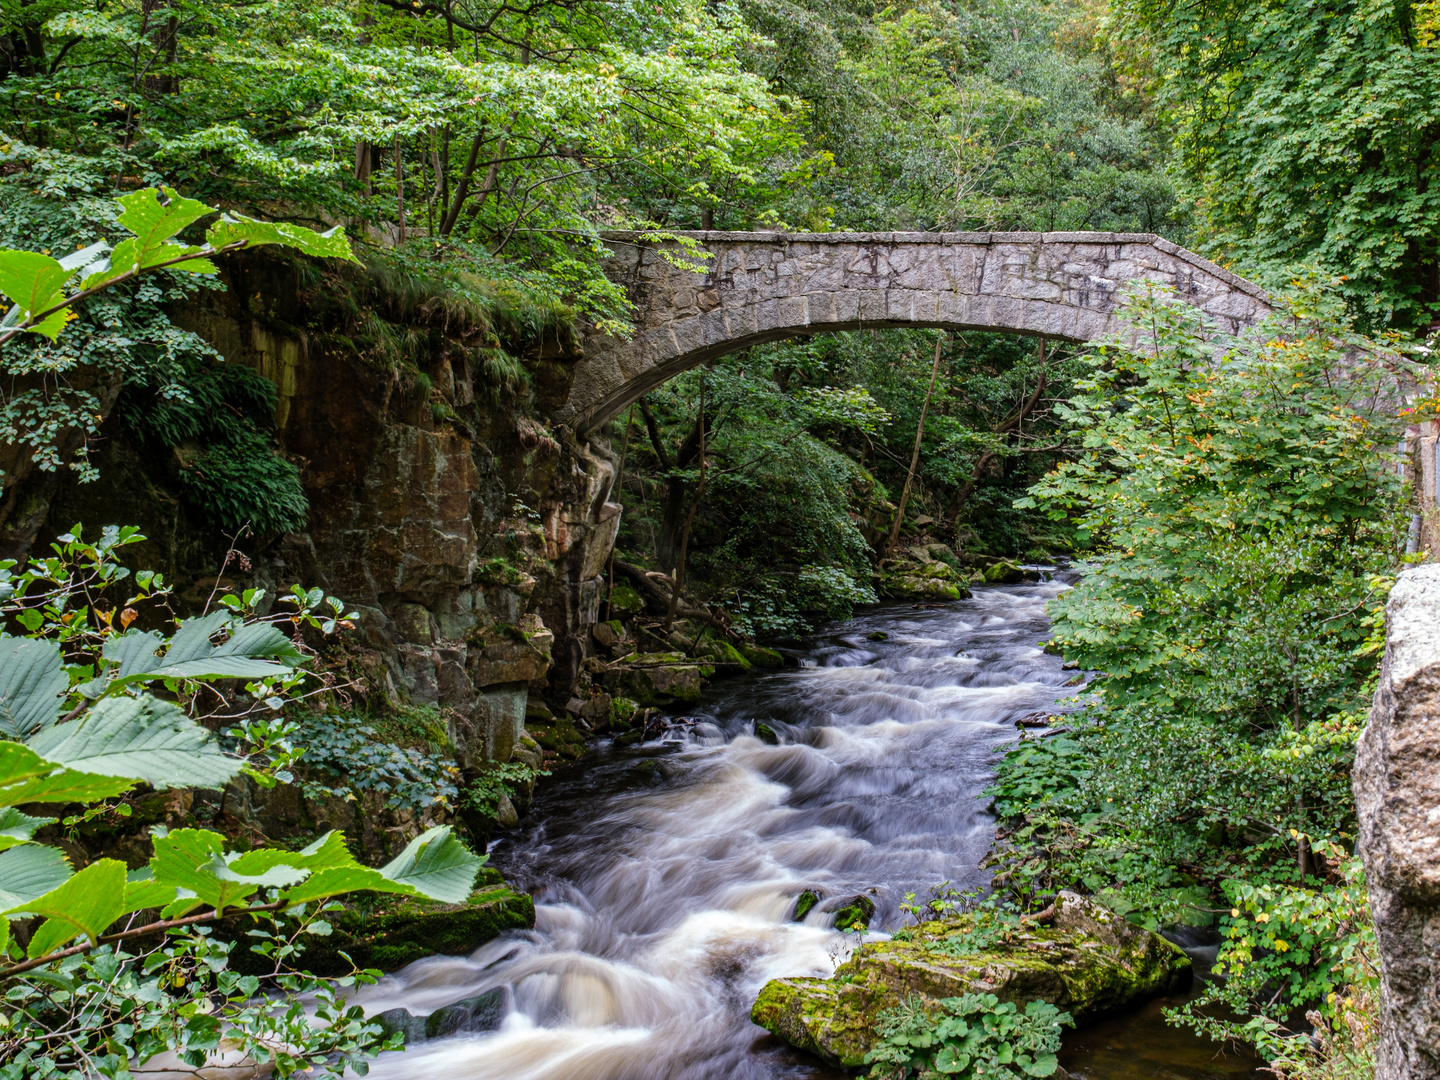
759, 287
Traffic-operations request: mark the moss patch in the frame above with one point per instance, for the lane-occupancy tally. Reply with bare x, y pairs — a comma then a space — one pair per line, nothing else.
761, 657
1089, 962
391, 934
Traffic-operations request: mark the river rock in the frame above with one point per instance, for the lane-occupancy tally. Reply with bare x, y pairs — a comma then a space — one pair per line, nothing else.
1088, 962
761, 657
914, 578
1397, 799
469, 1016
658, 679
392, 932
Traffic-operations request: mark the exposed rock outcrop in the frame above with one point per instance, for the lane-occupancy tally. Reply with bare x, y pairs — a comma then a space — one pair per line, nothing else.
1088, 961
1397, 797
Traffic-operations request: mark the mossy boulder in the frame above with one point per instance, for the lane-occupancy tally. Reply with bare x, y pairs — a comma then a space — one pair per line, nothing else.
761, 657
468, 1016
855, 913
918, 577
650, 683
719, 651
557, 735
625, 602
1088, 961
389, 932
1005, 572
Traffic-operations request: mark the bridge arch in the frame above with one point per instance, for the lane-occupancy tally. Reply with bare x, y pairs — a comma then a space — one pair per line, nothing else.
762, 286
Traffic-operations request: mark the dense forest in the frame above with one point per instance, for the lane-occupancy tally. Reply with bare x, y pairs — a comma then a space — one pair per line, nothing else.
1234, 510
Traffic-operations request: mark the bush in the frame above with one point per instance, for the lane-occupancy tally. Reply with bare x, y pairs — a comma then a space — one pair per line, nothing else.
972, 1037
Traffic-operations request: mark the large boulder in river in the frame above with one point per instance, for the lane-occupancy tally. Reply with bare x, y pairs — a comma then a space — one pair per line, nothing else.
1087, 961
915, 575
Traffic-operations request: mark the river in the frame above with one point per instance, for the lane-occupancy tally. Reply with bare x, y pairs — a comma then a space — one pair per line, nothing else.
665, 875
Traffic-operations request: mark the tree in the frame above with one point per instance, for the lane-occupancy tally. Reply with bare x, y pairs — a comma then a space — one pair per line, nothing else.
1307, 135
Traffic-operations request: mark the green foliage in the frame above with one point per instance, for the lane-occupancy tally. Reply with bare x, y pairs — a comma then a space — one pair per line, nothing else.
82, 721
971, 1036
497, 781
1248, 512
1285, 949
216, 416
45, 292
1307, 135
346, 757
93, 1014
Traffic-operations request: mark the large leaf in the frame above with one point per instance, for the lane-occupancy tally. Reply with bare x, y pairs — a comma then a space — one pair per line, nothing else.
154, 215
237, 228
32, 683
221, 667
259, 639
133, 652
143, 738
329, 851
27, 872
34, 282
188, 859
25, 777
17, 828
143, 891
436, 865
83, 906
192, 640
339, 880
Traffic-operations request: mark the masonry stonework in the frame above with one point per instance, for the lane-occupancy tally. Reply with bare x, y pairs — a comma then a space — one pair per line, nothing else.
758, 287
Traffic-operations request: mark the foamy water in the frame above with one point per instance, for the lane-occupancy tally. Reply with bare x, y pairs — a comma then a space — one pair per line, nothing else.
665, 876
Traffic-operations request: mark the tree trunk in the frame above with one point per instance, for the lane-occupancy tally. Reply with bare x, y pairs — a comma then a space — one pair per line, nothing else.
690, 517
915, 456
400, 187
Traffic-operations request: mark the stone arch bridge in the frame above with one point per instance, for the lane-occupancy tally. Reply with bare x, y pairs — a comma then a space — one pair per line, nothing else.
762, 286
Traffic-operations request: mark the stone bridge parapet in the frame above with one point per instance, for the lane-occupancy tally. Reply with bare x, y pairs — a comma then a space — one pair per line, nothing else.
764, 286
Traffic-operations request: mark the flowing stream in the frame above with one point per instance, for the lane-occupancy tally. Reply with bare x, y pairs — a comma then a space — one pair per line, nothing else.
665, 876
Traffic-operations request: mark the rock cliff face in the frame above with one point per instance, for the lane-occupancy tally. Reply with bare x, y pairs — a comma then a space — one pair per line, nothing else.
1397, 796
468, 534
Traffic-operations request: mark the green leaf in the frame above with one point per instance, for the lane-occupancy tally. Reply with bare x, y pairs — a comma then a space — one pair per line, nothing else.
1043, 1065
337, 881
436, 865
83, 906
32, 684
192, 640
34, 282
218, 667
25, 777
17, 828
147, 894
30, 871
131, 653
142, 738
260, 639
238, 228
187, 859
952, 1060
154, 215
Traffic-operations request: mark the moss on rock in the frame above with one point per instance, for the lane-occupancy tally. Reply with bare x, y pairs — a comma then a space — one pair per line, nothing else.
1089, 962
761, 657
393, 932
